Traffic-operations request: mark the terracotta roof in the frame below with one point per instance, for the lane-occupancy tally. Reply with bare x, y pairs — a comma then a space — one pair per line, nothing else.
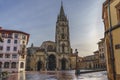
12, 31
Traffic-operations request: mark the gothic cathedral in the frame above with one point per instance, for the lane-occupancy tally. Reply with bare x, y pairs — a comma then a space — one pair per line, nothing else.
53, 55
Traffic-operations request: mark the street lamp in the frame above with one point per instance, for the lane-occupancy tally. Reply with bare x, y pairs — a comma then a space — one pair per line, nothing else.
77, 71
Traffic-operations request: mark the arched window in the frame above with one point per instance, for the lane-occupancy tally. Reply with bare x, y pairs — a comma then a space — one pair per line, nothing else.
21, 65
0, 64
13, 65
8, 41
63, 47
6, 65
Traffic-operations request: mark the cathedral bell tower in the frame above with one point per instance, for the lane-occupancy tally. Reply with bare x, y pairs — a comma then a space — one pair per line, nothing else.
62, 33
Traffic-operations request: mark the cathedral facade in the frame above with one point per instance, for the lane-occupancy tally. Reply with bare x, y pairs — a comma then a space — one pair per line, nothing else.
53, 55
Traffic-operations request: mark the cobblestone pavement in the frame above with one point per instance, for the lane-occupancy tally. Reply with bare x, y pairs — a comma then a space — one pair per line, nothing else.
59, 75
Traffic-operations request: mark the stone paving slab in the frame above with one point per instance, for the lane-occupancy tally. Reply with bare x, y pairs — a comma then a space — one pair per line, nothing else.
59, 75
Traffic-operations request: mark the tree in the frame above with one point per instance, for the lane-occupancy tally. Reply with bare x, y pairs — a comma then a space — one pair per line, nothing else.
1, 40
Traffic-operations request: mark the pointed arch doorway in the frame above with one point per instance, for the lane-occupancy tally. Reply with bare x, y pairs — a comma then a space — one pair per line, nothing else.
39, 65
51, 62
63, 64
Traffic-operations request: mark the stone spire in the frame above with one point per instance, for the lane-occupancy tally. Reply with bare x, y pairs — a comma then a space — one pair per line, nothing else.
62, 10
61, 15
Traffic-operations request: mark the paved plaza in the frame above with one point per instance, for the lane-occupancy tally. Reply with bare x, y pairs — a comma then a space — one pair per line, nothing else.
58, 75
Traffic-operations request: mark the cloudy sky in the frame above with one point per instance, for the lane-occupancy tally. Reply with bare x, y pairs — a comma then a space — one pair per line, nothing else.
38, 18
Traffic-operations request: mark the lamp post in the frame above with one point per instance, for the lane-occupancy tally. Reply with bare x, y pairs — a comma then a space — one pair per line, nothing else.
77, 71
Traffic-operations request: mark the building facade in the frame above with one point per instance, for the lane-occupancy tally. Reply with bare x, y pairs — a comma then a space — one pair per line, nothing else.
54, 55
13, 50
96, 61
111, 17
90, 62
80, 64
101, 49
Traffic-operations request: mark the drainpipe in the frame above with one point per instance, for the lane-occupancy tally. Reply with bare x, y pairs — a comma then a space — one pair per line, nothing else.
111, 42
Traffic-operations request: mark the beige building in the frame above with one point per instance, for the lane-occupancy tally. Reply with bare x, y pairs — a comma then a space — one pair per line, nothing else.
53, 55
95, 61
73, 61
101, 49
111, 17
90, 62
87, 62
80, 64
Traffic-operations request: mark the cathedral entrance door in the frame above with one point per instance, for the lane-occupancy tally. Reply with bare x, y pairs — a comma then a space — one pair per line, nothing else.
51, 62
39, 65
63, 64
